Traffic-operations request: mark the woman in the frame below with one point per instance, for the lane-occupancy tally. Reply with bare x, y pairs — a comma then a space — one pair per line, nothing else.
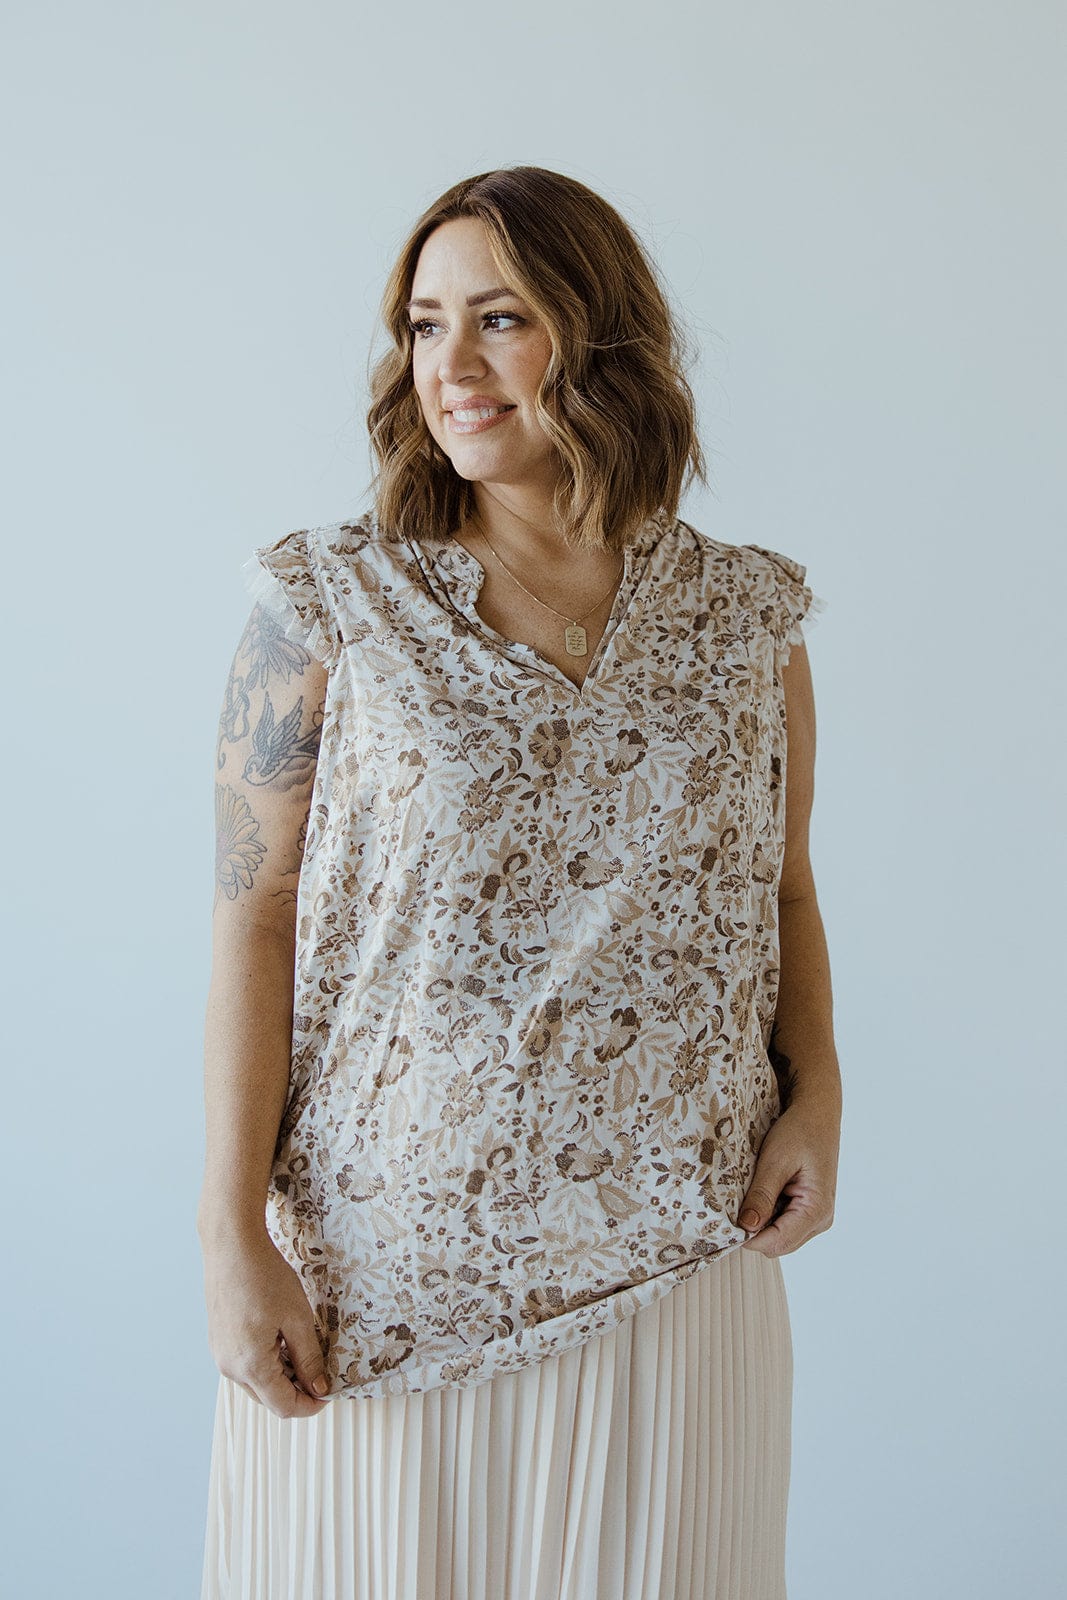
520, 1074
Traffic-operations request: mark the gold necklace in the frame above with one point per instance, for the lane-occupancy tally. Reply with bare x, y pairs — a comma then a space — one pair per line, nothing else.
575, 637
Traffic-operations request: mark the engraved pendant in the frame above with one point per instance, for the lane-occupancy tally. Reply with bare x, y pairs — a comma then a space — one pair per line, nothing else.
577, 642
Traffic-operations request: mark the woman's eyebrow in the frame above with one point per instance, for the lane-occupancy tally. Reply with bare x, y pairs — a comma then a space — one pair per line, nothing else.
472, 299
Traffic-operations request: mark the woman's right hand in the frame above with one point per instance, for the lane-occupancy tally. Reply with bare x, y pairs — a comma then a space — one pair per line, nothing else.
261, 1327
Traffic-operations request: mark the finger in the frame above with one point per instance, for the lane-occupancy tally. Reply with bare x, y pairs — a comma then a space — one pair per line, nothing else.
277, 1389
801, 1211
300, 1343
760, 1202
282, 1396
289, 1386
784, 1233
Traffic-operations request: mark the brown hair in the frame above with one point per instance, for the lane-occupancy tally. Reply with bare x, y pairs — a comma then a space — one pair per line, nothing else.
614, 400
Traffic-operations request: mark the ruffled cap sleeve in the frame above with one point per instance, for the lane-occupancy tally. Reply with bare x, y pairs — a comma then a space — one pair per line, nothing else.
785, 601
282, 577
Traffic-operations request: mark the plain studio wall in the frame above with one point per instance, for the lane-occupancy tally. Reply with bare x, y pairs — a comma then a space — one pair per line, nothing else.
859, 210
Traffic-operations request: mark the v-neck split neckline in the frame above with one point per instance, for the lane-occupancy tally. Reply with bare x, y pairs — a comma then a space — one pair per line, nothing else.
461, 577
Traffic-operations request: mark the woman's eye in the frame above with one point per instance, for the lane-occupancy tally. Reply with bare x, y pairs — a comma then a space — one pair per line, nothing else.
421, 327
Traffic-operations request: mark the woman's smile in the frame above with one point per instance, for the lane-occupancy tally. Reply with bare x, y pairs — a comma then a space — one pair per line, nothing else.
475, 419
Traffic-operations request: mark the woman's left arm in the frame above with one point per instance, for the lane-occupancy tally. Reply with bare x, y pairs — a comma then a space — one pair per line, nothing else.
791, 1196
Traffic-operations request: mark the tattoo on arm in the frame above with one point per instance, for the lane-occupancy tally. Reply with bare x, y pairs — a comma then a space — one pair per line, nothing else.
280, 753
283, 754
263, 651
233, 724
238, 848
267, 649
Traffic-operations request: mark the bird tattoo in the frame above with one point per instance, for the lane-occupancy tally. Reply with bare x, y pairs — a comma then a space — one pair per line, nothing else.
278, 747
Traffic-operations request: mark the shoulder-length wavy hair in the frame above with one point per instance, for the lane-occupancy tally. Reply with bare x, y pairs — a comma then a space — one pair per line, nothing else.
614, 399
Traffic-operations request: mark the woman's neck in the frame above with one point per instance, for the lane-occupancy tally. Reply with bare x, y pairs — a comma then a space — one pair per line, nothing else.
521, 526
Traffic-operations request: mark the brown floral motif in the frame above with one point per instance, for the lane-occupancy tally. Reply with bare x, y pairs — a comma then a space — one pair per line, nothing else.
746, 732
540, 1304
398, 1341
691, 1072
580, 1165
396, 1063
484, 805
544, 1026
631, 750
463, 1100
623, 1028
548, 742
585, 872
702, 785
537, 945
411, 770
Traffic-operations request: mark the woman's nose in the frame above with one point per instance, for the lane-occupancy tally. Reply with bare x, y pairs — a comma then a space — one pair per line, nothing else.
458, 357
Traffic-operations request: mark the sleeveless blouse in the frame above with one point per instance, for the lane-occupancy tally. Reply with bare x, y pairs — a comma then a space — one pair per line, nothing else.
537, 946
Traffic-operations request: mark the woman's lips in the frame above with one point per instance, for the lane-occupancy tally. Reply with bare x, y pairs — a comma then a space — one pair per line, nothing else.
480, 424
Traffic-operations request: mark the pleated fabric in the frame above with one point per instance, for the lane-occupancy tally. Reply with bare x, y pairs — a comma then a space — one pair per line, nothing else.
650, 1463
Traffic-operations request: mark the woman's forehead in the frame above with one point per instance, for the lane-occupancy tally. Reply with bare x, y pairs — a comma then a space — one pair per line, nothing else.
456, 251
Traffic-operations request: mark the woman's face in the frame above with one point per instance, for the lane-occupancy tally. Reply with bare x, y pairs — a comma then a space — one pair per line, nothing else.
474, 357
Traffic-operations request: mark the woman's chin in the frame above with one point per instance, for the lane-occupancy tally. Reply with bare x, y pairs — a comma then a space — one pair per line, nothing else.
539, 476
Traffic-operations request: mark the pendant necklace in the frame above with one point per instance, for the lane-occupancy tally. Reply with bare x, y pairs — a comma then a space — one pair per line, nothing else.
575, 637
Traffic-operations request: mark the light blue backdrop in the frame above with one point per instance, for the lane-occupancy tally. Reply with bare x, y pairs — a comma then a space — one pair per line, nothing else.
860, 210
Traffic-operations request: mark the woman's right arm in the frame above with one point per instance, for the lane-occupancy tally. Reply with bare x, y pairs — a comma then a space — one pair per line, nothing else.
258, 1313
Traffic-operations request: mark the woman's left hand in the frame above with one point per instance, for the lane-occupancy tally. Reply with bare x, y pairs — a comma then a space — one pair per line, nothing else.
795, 1182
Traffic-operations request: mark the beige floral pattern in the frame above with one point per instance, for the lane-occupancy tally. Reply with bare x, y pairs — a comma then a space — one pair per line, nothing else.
537, 952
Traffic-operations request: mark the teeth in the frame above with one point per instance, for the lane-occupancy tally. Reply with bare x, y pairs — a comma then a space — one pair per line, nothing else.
478, 416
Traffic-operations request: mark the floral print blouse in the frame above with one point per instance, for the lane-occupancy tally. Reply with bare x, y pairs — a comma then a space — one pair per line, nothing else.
537, 947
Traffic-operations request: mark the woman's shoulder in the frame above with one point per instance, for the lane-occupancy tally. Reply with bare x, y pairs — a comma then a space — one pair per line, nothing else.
751, 559
303, 578
349, 536
768, 584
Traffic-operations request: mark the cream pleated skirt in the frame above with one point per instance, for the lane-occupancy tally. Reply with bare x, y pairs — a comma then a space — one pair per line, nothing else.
650, 1463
